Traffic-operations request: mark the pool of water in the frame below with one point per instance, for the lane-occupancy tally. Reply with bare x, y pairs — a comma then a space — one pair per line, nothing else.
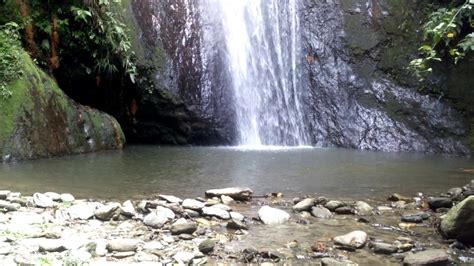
143, 171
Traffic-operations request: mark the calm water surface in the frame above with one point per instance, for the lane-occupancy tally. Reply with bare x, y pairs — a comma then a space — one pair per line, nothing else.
141, 171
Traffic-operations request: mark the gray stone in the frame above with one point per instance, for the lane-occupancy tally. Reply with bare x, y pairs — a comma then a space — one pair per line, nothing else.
107, 212
237, 216
344, 210
236, 225
191, 213
355, 239
207, 246
383, 248
237, 193
160, 210
83, 210
53, 195
193, 204
156, 220
128, 209
436, 203
122, 245
428, 257
222, 207
183, 257
398, 197
453, 192
216, 212
415, 218
458, 223
334, 262
270, 215
363, 208
304, 205
9, 206
51, 245
183, 228
227, 200
321, 212
66, 197
4, 194
171, 199
333, 205
42, 200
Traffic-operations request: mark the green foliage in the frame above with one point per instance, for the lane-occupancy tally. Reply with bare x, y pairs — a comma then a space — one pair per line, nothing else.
105, 36
445, 34
10, 57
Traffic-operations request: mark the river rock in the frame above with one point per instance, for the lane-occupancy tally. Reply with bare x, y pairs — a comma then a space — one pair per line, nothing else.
127, 209
333, 205
458, 223
66, 197
207, 246
428, 257
334, 262
51, 245
270, 215
227, 200
321, 212
304, 205
363, 208
216, 212
107, 212
222, 207
160, 210
237, 216
344, 210
436, 203
236, 225
193, 204
455, 191
191, 213
355, 239
84, 210
53, 195
383, 248
156, 219
183, 228
183, 257
122, 245
398, 197
4, 194
42, 200
9, 206
237, 193
171, 199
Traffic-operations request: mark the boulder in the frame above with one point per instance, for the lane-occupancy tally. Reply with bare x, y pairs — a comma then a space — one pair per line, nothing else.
270, 215
66, 197
458, 223
427, 257
383, 248
216, 212
237, 216
83, 210
227, 200
237, 193
53, 195
304, 205
156, 219
355, 239
128, 209
333, 205
321, 212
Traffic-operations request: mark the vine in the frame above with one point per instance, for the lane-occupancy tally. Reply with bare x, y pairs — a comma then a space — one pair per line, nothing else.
448, 31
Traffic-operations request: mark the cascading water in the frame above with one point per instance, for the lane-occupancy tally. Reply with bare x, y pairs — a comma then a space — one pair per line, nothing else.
262, 50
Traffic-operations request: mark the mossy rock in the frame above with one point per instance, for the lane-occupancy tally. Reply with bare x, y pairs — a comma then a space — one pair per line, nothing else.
39, 120
459, 222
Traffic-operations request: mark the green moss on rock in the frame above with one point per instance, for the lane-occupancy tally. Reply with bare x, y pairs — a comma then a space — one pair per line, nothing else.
39, 120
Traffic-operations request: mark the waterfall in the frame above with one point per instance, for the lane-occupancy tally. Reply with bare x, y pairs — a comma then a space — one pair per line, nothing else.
262, 53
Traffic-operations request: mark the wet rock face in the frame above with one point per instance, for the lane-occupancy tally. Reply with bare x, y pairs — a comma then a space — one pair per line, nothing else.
39, 120
356, 90
353, 101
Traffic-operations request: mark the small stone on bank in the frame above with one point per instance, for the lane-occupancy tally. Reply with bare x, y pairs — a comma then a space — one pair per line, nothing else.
355, 239
270, 215
207, 246
428, 257
122, 245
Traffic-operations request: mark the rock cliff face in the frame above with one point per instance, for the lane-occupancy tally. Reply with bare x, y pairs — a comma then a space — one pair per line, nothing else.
39, 120
357, 92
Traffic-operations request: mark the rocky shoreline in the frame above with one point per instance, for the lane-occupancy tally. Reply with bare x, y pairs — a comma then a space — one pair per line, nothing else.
231, 226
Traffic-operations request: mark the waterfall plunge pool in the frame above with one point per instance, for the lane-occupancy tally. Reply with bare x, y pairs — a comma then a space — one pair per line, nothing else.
143, 171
